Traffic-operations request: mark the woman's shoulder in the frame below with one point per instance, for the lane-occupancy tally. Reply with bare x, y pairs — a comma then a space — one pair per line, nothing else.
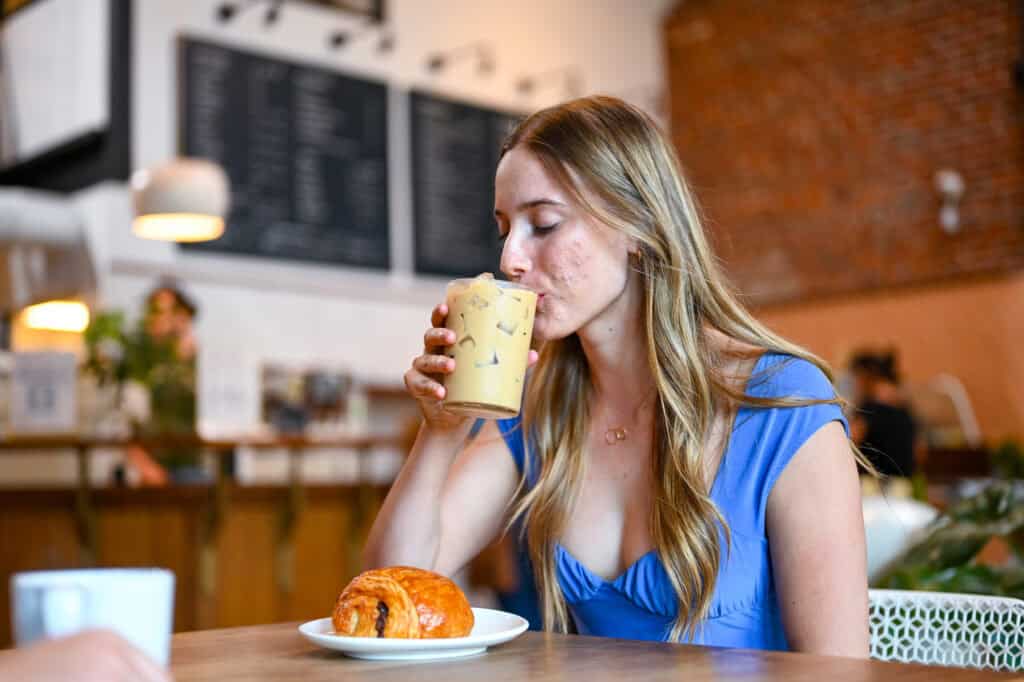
780, 375
763, 373
511, 431
765, 439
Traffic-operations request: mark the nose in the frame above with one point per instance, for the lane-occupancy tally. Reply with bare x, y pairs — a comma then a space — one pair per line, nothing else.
515, 262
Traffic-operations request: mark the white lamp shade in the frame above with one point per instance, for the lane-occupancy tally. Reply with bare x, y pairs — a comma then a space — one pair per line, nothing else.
185, 200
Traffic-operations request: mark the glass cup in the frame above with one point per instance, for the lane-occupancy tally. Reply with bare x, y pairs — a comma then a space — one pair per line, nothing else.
493, 325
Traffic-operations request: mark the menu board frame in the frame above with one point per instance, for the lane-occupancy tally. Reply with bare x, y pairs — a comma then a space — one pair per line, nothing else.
462, 252
292, 210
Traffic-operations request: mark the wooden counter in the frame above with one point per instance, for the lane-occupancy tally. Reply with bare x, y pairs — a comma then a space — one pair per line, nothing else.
241, 554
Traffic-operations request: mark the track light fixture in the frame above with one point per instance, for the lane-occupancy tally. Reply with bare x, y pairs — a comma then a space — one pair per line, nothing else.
228, 11
342, 38
569, 77
273, 13
480, 51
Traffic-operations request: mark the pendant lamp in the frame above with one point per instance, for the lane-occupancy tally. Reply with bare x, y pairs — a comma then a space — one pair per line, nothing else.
185, 200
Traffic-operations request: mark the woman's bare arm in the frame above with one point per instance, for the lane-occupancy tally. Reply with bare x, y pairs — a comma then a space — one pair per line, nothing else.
816, 535
447, 504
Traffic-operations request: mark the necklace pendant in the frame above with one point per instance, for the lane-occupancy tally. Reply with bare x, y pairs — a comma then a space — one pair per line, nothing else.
613, 436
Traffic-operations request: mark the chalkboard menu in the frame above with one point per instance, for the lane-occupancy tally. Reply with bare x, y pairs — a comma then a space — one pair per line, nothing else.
455, 150
305, 149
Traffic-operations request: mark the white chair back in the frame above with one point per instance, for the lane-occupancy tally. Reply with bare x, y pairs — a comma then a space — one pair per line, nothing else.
936, 628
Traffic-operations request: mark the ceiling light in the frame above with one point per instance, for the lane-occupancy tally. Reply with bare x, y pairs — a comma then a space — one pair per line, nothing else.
185, 200
61, 316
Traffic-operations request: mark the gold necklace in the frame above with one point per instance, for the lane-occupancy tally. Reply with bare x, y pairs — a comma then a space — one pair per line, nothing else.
616, 434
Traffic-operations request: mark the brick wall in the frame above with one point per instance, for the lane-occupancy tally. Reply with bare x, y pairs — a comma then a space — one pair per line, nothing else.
812, 130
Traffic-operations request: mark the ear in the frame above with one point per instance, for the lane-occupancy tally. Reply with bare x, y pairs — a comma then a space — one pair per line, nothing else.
636, 249
635, 254
632, 246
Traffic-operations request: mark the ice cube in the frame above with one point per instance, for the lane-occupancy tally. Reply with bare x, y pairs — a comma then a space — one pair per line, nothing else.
490, 363
508, 327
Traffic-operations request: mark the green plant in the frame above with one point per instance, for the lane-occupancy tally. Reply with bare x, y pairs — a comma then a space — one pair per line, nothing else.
1008, 460
116, 354
105, 347
944, 560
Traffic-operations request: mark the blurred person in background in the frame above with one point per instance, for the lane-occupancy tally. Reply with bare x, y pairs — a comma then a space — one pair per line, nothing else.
166, 359
170, 318
683, 473
883, 424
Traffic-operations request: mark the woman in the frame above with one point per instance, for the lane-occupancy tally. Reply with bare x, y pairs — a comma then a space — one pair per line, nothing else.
689, 477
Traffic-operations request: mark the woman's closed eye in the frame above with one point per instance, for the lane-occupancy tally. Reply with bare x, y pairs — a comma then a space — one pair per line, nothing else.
537, 229
543, 229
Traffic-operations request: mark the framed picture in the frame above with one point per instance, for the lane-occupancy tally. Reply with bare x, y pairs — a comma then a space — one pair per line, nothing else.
43, 394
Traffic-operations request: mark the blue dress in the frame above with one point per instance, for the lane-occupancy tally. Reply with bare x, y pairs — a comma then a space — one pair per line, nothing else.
640, 603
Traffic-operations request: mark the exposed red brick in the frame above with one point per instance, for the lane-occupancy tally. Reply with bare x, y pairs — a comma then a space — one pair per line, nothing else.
812, 130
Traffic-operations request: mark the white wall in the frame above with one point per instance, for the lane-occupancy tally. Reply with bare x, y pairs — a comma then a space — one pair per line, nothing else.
254, 310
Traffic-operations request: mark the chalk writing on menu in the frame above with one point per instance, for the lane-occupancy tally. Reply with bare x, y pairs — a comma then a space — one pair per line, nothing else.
305, 149
455, 152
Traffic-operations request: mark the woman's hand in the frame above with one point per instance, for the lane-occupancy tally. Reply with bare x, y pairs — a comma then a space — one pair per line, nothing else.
425, 379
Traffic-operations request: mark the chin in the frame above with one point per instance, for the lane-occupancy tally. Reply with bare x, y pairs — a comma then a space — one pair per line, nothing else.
540, 334
543, 331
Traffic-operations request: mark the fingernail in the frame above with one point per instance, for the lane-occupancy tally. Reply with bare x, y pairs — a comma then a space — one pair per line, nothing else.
440, 392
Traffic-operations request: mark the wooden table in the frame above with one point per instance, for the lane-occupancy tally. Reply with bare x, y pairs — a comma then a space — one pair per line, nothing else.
278, 652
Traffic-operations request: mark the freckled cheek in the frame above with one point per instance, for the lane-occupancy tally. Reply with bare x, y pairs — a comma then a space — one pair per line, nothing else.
570, 271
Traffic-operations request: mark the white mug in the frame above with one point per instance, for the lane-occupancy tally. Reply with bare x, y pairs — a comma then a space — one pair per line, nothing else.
137, 603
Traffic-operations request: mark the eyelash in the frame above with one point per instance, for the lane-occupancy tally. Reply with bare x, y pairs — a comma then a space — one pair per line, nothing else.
540, 229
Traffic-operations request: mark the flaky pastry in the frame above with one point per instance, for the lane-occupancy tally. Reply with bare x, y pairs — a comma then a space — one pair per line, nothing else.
402, 602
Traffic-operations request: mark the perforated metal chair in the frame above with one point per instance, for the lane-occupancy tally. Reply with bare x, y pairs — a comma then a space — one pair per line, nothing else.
937, 628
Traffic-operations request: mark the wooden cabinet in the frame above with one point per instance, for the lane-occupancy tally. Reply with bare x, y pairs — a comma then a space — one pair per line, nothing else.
240, 555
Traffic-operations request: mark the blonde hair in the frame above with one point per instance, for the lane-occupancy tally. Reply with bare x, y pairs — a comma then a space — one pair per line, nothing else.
629, 178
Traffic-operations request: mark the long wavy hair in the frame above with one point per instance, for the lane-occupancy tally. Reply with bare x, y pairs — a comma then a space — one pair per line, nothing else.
616, 164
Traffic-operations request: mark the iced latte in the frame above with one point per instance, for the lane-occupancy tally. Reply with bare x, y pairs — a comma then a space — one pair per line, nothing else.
493, 324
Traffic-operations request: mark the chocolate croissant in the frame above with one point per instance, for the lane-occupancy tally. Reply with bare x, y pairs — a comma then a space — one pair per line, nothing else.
402, 602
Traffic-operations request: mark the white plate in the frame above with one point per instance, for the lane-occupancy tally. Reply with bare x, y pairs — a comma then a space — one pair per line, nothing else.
490, 627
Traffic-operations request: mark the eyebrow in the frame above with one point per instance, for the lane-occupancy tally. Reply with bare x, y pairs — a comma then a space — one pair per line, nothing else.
533, 204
